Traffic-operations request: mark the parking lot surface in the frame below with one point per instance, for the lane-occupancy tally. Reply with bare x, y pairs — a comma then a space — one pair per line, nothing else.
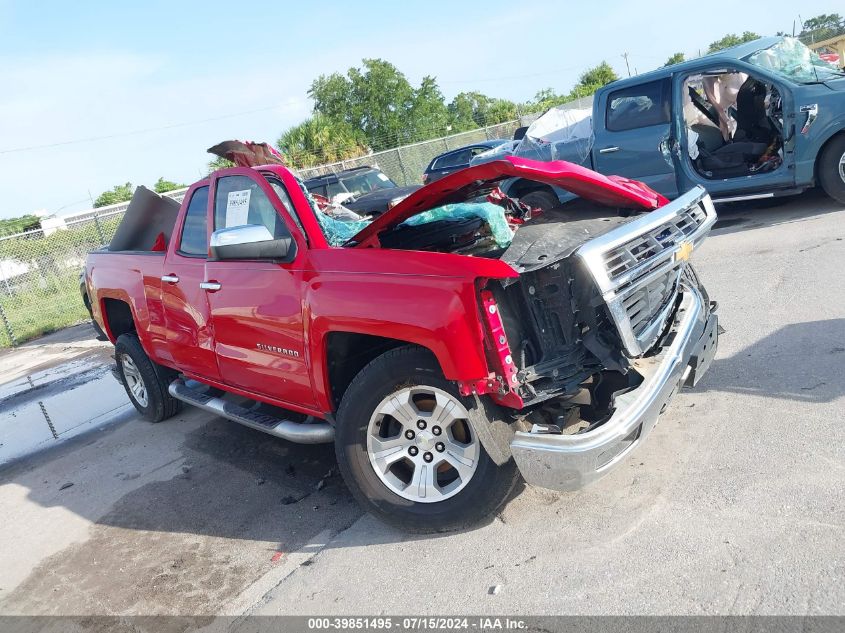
734, 505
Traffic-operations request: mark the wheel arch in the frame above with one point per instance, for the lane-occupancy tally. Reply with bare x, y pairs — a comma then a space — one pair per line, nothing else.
825, 144
117, 317
523, 186
346, 353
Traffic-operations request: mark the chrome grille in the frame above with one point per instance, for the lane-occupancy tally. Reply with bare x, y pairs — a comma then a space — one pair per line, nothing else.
632, 254
646, 300
637, 266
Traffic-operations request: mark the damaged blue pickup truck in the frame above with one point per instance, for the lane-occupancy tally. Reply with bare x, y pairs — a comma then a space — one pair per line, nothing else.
763, 119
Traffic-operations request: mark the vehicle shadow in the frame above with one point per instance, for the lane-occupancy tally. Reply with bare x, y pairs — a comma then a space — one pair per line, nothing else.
233, 483
754, 214
766, 367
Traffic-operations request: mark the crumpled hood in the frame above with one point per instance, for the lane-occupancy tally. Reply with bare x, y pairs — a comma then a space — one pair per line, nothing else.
479, 180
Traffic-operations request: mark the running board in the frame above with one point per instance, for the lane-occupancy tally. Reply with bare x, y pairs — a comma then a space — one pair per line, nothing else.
752, 196
307, 432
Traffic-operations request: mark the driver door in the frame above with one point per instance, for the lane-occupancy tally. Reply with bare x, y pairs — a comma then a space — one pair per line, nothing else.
256, 305
635, 139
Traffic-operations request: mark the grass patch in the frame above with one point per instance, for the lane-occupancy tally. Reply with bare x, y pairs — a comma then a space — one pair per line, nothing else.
41, 310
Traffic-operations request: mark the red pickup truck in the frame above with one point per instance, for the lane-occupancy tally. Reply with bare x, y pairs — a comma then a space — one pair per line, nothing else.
442, 362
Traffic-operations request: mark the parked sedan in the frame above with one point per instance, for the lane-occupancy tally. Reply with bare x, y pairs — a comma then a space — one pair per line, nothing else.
457, 159
364, 190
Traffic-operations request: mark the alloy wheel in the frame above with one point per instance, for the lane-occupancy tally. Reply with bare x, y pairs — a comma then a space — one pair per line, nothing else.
134, 381
842, 167
421, 445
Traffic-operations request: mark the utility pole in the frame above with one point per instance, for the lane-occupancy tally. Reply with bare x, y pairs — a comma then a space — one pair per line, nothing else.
625, 55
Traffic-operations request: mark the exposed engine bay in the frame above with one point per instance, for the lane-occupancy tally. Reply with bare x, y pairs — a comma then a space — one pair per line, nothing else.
734, 124
565, 347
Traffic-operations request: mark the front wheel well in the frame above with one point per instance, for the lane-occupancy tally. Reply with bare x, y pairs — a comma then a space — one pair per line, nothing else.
347, 353
833, 138
522, 187
117, 317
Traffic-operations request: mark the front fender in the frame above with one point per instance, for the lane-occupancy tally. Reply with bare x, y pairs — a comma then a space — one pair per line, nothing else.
824, 129
436, 307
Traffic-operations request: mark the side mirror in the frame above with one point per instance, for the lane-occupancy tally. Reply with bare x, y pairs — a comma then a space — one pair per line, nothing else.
251, 241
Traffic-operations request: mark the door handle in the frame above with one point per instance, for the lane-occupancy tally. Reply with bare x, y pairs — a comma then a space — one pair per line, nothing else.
170, 279
211, 286
608, 150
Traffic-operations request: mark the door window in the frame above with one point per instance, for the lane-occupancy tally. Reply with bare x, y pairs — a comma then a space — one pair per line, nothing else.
280, 190
239, 201
194, 239
639, 106
455, 159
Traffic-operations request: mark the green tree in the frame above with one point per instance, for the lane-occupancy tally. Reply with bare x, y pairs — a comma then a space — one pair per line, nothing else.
471, 110
378, 99
13, 226
731, 39
163, 186
597, 76
822, 27
319, 140
590, 80
119, 193
545, 99
428, 114
677, 58
219, 163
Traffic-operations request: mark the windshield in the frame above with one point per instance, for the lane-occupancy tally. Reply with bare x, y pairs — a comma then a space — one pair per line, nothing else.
795, 61
366, 182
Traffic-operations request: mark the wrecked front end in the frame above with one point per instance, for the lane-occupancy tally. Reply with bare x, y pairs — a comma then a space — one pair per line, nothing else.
597, 335
603, 322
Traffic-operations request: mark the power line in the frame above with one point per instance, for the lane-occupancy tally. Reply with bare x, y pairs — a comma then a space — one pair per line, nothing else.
143, 131
503, 78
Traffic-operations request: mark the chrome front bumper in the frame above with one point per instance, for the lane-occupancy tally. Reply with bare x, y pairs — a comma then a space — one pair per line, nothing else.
569, 462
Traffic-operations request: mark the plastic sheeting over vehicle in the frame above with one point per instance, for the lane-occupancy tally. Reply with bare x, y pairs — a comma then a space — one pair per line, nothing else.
560, 134
492, 214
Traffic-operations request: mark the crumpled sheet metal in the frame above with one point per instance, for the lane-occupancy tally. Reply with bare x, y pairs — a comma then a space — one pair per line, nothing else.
247, 153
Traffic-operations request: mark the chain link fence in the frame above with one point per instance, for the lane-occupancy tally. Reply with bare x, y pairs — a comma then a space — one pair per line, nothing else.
40, 272
405, 165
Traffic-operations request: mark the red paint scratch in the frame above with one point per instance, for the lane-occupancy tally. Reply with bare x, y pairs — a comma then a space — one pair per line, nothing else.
277, 557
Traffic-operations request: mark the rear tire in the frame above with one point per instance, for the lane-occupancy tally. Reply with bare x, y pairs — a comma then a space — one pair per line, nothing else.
543, 200
423, 470
832, 168
145, 382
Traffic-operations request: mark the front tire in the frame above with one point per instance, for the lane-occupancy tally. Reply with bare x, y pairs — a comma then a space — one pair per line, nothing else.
407, 451
145, 382
832, 169
540, 199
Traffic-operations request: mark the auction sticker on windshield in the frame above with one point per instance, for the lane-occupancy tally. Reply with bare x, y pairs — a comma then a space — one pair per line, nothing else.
237, 208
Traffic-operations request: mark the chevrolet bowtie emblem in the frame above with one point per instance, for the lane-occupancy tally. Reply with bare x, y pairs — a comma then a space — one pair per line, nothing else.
684, 252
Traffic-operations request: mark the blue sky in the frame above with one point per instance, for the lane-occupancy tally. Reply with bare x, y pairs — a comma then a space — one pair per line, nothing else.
208, 71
